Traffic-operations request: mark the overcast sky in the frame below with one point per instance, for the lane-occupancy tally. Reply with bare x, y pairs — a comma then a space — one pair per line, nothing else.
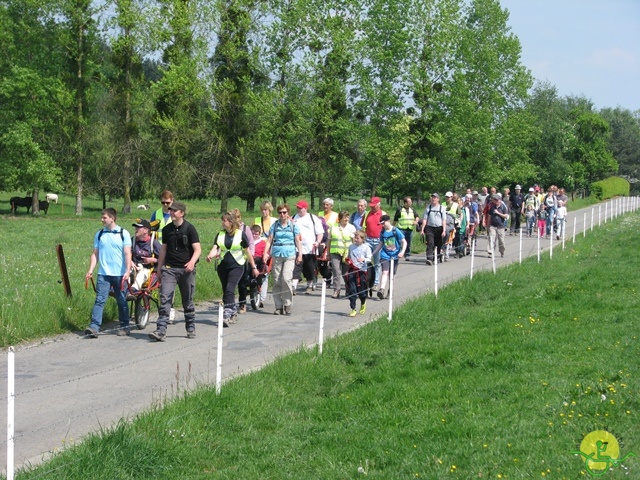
587, 48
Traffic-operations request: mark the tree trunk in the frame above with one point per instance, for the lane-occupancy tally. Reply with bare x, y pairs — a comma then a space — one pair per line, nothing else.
35, 203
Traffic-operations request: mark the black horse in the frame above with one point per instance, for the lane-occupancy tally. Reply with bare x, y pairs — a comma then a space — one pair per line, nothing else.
20, 202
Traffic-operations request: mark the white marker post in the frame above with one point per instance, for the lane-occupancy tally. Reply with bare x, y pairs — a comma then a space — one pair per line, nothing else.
219, 356
584, 224
592, 216
11, 398
473, 256
323, 303
435, 271
575, 220
538, 245
391, 264
520, 247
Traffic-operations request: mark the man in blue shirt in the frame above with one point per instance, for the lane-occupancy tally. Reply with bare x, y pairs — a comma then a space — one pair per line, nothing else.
112, 253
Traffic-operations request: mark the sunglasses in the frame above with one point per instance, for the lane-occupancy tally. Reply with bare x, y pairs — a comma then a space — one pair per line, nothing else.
283, 212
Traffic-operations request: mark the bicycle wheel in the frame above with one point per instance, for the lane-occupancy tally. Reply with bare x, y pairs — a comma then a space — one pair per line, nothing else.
141, 313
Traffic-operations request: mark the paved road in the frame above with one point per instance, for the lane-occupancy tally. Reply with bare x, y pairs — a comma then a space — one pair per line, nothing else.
70, 385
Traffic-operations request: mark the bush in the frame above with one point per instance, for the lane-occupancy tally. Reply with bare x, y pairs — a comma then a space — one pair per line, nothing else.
610, 187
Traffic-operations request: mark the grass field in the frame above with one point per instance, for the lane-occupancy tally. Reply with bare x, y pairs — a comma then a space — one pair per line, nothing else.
499, 378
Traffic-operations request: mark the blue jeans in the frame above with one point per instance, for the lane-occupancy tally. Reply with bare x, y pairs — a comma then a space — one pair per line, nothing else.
550, 220
103, 286
408, 234
373, 243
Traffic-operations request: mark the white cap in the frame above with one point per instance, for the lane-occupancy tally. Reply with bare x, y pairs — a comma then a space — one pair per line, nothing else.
518, 187
448, 194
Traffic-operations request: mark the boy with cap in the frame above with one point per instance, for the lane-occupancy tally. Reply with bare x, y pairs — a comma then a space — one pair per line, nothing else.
177, 261
392, 245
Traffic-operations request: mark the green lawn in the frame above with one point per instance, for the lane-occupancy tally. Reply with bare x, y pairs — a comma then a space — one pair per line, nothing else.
501, 377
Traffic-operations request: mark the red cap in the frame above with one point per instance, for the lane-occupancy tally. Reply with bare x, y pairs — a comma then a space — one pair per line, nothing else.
302, 204
374, 201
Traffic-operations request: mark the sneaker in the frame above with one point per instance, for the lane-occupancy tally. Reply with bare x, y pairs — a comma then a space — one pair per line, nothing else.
287, 310
430, 263
123, 332
335, 295
278, 311
191, 334
352, 313
363, 308
91, 332
157, 335
375, 288
233, 319
308, 290
215, 324
380, 294
261, 305
242, 309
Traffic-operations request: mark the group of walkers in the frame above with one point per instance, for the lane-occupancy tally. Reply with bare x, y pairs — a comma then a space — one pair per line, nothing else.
349, 251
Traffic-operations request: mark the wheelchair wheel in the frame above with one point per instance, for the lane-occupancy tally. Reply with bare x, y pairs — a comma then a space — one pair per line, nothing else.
141, 313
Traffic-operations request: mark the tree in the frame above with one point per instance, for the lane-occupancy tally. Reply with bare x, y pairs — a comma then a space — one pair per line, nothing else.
624, 142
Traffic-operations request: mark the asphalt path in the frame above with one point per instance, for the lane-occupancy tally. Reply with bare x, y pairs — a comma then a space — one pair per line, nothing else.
71, 385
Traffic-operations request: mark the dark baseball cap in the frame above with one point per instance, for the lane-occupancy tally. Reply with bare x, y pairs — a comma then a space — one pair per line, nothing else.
178, 206
141, 222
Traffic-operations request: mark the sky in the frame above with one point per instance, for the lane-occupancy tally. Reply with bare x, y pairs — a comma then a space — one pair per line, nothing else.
587, 48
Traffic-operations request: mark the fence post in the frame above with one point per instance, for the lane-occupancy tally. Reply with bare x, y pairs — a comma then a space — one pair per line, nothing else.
11, 398
323, 302
219, 357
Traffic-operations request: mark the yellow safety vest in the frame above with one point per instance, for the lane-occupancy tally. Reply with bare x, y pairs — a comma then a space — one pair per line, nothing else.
265, 231
160, 217
236, 248
340, 240
332, 220
407, 217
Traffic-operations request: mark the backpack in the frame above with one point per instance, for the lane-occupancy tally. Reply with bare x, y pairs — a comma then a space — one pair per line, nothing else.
102, 231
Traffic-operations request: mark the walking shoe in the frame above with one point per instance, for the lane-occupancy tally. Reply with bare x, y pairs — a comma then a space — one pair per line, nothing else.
233, 319
224, 324
308, 290
261, 305
375, 288
91, 332
123, 332
363, 308
380, 294
191, 334
278, 311
242, 309
352, 313
287, 310
335, 295
430, 263
157, 335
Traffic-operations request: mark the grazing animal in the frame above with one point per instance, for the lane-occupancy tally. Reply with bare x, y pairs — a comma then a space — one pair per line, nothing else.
44, 206
20, 202
52, 197
143, 207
